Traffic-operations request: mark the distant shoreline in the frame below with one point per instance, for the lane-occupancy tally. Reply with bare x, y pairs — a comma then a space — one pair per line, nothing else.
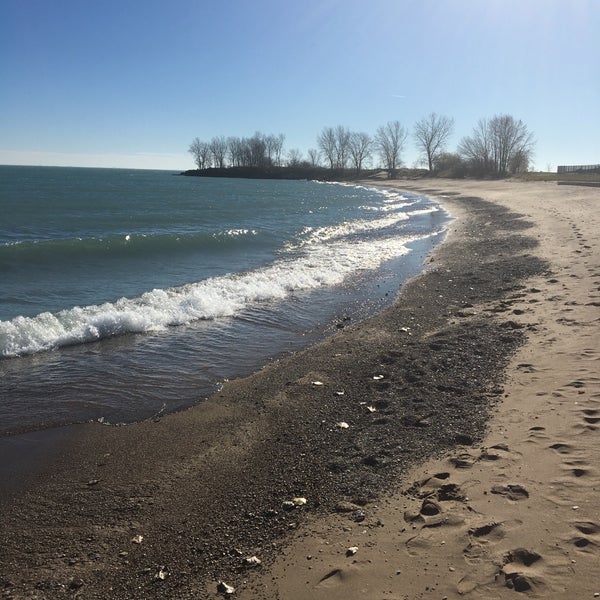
297, 173
294, 173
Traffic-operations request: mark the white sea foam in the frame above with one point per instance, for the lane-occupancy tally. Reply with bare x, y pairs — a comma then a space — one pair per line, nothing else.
318, 265
313, 235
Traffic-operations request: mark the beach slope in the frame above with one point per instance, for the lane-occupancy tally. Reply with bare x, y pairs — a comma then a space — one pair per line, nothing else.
442, 448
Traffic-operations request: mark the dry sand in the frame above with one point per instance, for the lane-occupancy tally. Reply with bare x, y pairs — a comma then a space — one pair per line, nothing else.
519, 512
488, 363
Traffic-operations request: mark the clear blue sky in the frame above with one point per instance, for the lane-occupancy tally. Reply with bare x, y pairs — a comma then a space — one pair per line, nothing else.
130, 83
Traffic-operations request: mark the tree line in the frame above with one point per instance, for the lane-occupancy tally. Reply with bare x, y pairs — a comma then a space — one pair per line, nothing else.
497, 146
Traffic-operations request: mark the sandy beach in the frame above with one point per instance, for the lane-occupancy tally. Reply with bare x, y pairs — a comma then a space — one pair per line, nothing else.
445, 448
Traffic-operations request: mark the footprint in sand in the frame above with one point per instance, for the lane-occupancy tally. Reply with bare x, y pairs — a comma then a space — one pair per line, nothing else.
464, 460
514, 492
562, 448
586, 538
519, 572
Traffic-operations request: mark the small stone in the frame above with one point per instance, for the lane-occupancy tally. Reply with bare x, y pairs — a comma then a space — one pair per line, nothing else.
252, 561
352, 551
223, 588
76, 583
359, 516
93, 482
342, 425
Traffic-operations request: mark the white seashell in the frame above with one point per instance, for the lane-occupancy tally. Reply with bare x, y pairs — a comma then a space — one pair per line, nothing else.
371, 409
342, 425
223, 588
299, 501
317, 383
378, 377
352, 551
252, 561
137, 539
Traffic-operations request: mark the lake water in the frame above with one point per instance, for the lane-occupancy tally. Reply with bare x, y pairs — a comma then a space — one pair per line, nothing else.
128, 293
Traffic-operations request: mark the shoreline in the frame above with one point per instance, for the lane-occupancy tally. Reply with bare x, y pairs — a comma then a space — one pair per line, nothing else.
202, 484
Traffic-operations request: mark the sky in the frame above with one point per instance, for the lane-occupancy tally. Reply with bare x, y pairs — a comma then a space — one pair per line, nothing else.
130, 83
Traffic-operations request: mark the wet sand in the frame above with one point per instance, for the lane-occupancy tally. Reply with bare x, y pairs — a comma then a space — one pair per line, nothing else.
446, 439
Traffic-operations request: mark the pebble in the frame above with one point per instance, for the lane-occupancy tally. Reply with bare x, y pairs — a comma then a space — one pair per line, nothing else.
223, 588
359, 516
252, 561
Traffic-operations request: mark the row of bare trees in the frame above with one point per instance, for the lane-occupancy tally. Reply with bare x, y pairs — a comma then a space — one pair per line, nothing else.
341, 147
257, 151
498, 145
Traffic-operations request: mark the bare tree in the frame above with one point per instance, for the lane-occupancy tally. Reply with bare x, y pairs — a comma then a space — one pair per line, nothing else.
513, 143
360, 149
431, 134
342, 146
334, 144
279, 148
235, 151
477, 148
326, 141
313, 157
273, 148
498, 145
294, 157
389, 141
201, 153
218, 149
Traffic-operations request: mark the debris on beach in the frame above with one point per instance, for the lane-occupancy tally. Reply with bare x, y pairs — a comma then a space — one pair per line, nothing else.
371, 409
317, 383
223, 588
352, 551
378, 377
342, 425
252, 561
160, 575
339, 393
359, 516
294, 503
137, 539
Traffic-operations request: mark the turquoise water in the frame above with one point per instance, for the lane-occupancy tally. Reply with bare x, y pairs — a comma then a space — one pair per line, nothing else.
125, 293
